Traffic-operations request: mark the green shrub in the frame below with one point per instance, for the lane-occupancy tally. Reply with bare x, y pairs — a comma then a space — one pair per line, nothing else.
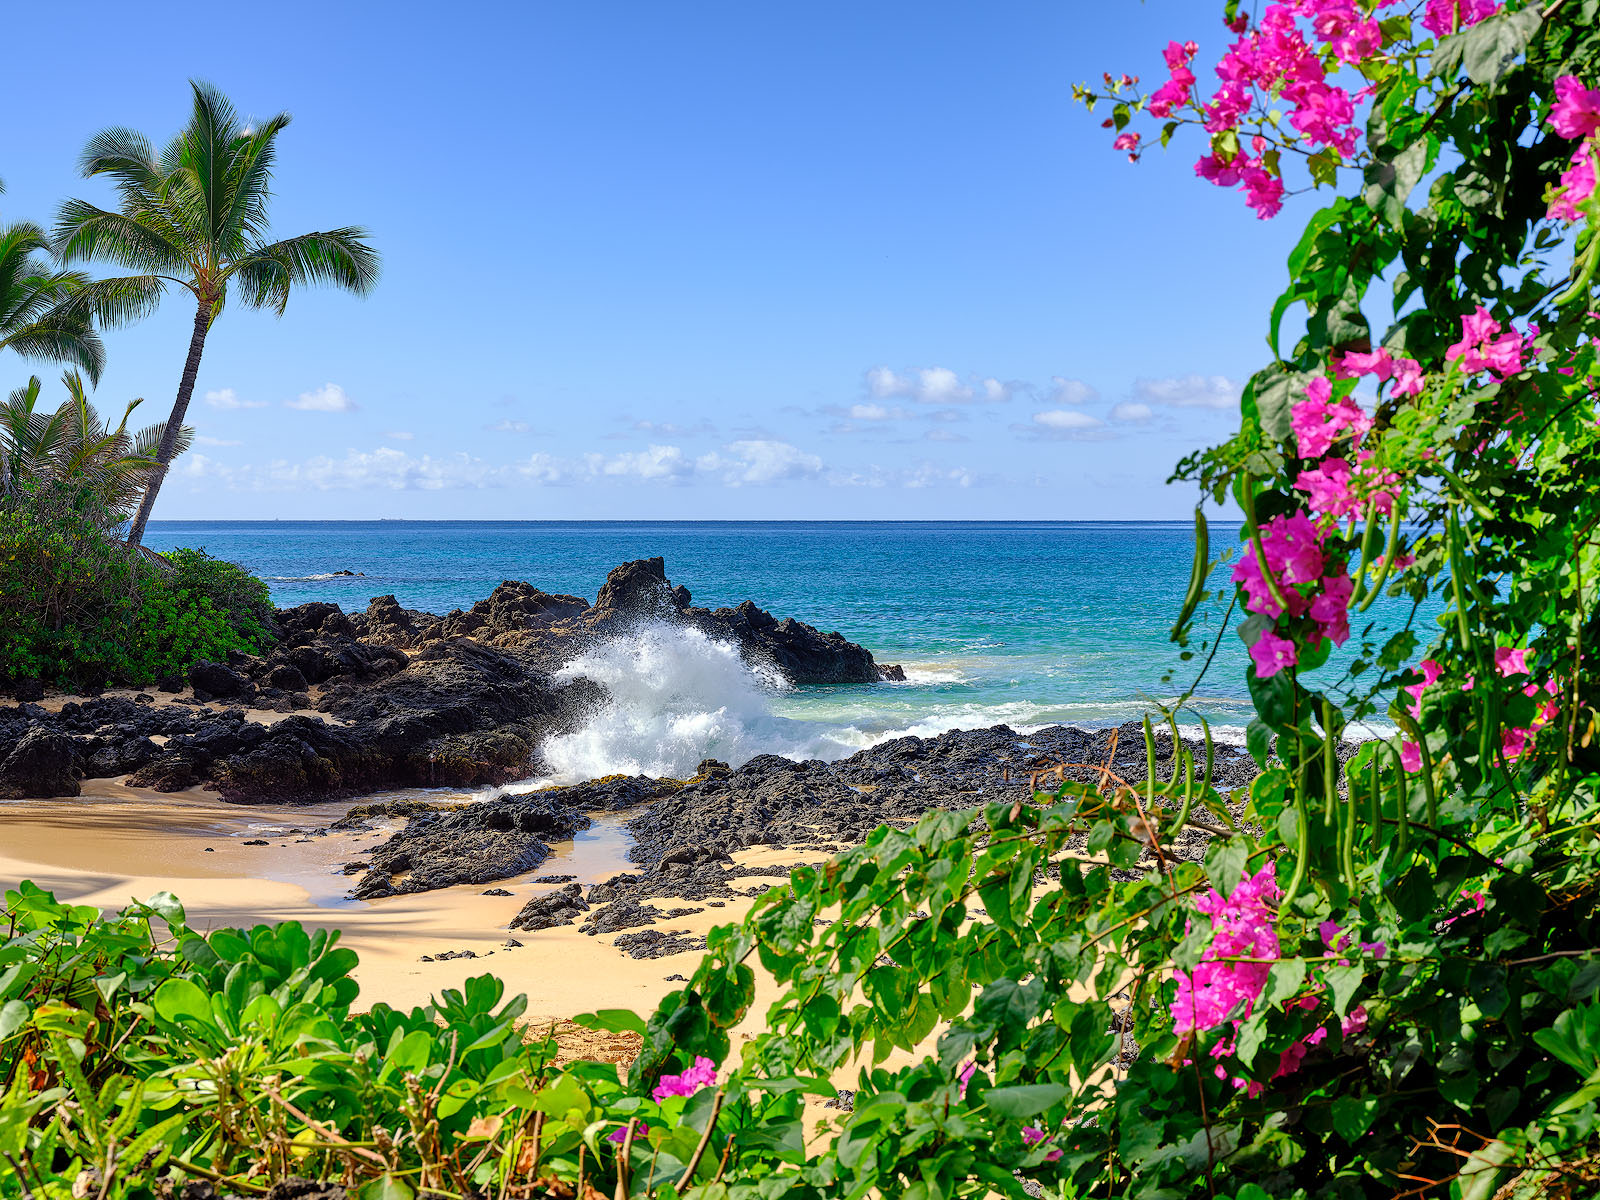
80, 609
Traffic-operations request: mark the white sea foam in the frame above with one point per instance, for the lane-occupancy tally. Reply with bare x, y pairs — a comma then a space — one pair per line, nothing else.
928, 674
676, 696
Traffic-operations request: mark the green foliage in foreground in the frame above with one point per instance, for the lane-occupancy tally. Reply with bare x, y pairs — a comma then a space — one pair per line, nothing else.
84, 610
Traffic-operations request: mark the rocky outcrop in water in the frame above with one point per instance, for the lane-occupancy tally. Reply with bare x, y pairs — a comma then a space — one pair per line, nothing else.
554, 628
390, 697
457, 715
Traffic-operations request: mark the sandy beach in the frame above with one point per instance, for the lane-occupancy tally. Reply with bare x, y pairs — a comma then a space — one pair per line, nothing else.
116, 843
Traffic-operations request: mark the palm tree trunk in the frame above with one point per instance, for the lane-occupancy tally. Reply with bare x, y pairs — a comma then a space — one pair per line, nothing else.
180, 406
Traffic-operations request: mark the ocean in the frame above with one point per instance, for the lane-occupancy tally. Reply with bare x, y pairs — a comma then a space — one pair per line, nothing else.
1022, 623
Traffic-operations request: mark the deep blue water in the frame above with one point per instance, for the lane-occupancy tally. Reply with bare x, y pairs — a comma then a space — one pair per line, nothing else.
1026, 623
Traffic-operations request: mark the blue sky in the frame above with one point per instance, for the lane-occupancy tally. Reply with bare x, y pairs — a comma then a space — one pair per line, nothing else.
684, 261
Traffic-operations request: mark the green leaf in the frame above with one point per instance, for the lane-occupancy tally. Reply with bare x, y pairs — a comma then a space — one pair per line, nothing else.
1353, 1116
614, 1020
1491, 47
1024, 1100
1225, 864
1284, 981
13, 1015
1342, 983
179, 999
1390, 182
385, 1187
167, 907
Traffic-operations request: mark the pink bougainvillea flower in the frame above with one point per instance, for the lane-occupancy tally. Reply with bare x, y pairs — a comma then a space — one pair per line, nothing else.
621, 1135
1514, 742
1408, 378
1411, 757
1317, 420
1430, 674
1032, 1135
702, 1074
1509, 661
1263, 191
1444, 17
1354, 1021
1294, 548
1243, 927
1327, 488
1484, 348
1576, 111
1272, 654
1354, 363
964, 1076
1127, 141
1331, 608
1576, 187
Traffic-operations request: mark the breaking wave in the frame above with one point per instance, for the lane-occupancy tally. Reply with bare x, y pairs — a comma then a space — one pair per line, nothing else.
675, 697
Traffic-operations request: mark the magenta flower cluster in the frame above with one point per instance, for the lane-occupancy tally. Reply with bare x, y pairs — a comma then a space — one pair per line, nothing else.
1444, 17
1293, 548
1225, 987
1243, 927
702, 1075
1484, 347
1575, 114
1278, 59
1509, 662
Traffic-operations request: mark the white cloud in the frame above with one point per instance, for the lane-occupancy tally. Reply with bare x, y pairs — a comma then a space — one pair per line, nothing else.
996, 392
1063, 423
203, 440
750, 462
945, 435
1188, 391
928, 385
871, 412
228, 398
330, 397
399, 435
758, 461
1066, 419
1070, 391
1131, 411
507, 425
668, 463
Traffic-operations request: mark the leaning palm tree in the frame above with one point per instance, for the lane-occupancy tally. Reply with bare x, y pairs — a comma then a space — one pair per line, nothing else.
95, 468
196, 217
33, 322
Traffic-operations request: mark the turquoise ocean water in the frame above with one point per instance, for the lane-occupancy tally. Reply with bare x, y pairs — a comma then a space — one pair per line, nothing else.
1016, 622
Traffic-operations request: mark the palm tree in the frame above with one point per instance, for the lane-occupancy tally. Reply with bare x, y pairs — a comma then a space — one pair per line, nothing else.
97, 470
32, 320
196, 217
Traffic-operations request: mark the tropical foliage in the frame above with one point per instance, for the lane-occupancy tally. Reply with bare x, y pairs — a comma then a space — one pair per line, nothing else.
1382, 980
34, 319
73, 450
194, 216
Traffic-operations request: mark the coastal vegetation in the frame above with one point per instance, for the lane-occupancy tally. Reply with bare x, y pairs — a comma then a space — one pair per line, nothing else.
195, 216
1381, 979
84, 605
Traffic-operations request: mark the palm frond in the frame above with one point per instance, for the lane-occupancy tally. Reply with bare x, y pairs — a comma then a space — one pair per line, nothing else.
129, 239
341, 257
59, 337
119, 301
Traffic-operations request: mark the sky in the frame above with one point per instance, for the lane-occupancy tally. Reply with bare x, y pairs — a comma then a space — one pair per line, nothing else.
698, 261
